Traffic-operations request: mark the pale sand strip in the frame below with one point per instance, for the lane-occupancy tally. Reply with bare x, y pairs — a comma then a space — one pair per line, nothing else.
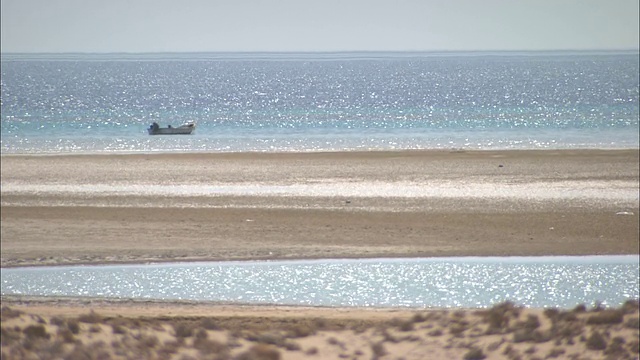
294, 168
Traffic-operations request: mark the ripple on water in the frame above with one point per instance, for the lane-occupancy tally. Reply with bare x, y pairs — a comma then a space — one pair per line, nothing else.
436, 282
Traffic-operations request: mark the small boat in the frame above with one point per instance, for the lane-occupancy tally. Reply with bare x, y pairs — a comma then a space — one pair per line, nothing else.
185, 129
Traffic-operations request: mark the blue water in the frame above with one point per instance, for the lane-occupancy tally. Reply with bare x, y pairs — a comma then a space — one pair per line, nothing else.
418, 283
319, 102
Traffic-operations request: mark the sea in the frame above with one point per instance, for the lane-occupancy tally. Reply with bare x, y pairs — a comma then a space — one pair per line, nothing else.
312, 102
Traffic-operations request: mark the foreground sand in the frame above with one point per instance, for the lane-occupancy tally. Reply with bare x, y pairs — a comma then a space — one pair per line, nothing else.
31, 329
137, 208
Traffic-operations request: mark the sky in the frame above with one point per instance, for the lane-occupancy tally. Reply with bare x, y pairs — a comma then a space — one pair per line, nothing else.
141, 26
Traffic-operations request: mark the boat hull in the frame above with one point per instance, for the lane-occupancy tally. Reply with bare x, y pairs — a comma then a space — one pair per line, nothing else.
180, 130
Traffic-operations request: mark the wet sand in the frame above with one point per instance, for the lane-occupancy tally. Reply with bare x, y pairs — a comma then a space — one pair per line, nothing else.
167, 207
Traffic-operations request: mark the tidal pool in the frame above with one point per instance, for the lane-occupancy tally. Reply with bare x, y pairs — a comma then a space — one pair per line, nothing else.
459, 282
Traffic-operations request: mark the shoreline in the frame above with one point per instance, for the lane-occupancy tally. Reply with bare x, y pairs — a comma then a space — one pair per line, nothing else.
290, 259
328, 152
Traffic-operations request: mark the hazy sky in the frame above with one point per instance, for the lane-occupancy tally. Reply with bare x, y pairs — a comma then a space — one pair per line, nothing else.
316, 25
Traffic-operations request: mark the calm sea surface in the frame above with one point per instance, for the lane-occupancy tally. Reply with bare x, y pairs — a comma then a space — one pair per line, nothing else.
423, 283
319, 102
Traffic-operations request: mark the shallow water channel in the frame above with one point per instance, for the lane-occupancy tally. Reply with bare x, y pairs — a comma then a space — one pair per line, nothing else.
415, 282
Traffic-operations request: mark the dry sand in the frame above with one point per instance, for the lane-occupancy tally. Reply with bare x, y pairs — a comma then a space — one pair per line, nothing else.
166, 207
137, 330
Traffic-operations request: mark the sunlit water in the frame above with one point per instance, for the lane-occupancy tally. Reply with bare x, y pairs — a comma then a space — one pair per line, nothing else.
418, 283
319, 102
328, 102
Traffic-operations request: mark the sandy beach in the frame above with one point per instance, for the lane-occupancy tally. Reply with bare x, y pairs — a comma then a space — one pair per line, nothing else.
90, 209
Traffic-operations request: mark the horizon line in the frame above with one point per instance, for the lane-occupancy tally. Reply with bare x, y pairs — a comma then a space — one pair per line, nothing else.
630, 50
